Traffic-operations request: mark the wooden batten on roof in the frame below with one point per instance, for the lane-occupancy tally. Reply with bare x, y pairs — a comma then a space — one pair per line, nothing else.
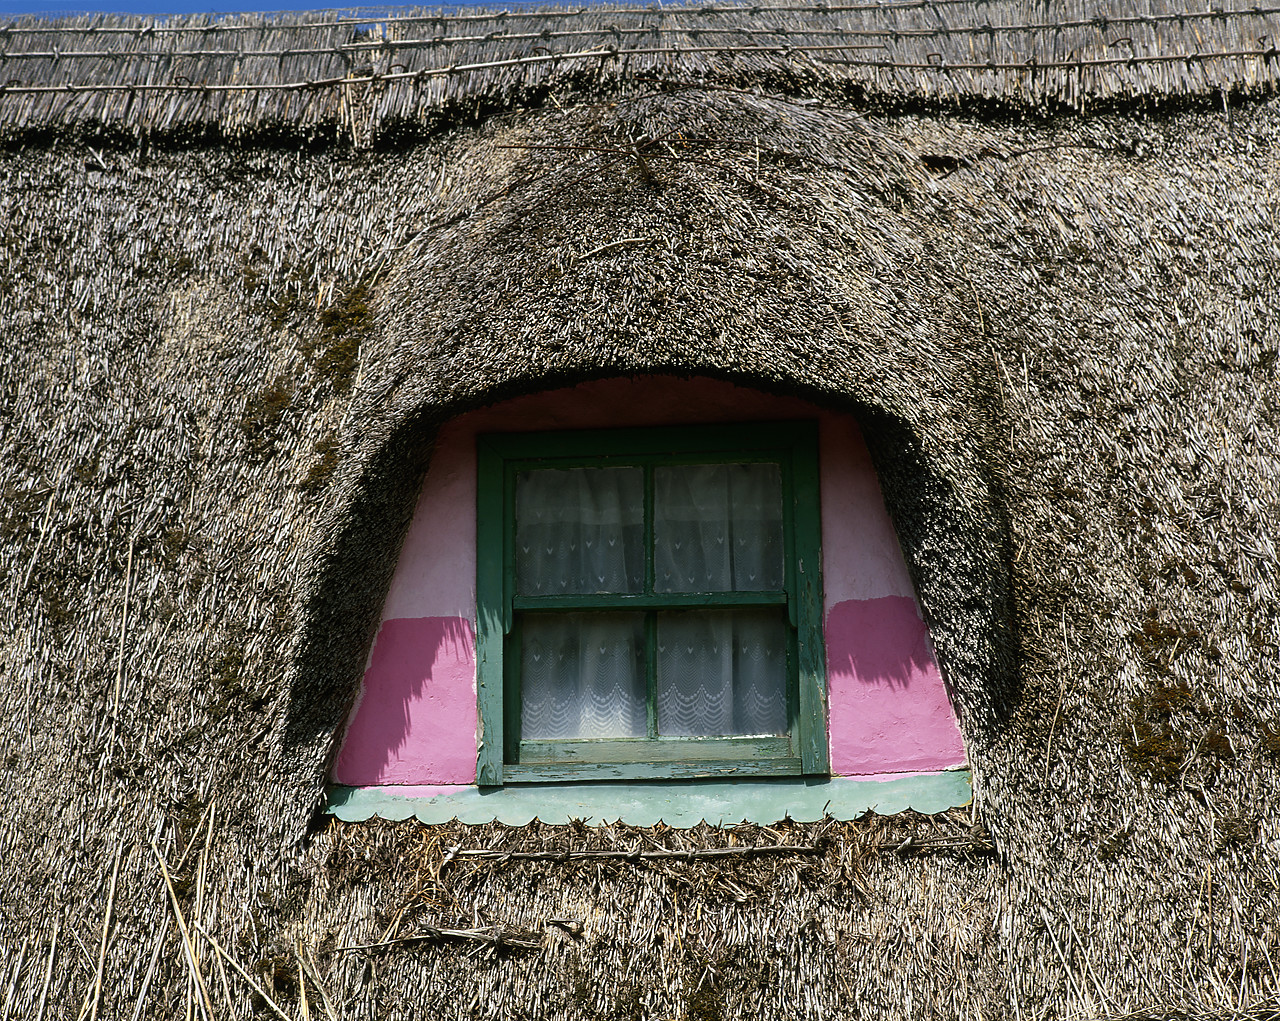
1032, 247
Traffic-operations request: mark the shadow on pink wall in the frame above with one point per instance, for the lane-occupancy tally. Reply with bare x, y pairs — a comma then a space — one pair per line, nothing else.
417, 713
889, 709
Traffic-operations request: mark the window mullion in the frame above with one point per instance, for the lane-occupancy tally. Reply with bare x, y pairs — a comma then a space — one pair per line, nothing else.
508, 547
648, 530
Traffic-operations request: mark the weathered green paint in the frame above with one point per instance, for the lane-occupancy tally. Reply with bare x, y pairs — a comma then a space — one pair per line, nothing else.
794, 446
650, 673
650, 619
648, 601
664, 749
642, 759
669, 769
812, 673
512, 694
719, 802
492, 620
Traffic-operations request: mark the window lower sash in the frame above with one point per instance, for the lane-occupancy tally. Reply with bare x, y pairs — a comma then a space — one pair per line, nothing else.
687, 770
642, 759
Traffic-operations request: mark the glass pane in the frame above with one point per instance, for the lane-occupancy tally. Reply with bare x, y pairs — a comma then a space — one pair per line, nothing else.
718, 528
579, 531
722, 673
582, 675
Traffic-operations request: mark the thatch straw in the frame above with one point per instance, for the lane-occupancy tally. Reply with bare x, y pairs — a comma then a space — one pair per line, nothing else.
231, 359
279, 1011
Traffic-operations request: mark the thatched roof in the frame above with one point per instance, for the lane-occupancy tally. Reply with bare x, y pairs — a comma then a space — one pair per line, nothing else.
378, 74
222, 368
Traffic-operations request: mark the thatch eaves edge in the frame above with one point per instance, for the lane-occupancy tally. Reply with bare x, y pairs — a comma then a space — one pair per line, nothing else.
399, 135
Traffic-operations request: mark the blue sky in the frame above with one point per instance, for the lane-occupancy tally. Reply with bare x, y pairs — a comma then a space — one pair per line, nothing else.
11, 8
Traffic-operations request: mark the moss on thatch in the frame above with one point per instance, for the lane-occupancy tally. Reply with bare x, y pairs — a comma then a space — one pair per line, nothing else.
343, 324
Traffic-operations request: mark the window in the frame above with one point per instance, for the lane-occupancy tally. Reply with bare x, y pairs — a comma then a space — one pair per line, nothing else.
650, 604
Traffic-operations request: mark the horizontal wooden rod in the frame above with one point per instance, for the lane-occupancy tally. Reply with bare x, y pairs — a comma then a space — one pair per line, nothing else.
502, 15
330, 51
659, 15
495, 935
615, 54
385, 44
911, 844
692, 854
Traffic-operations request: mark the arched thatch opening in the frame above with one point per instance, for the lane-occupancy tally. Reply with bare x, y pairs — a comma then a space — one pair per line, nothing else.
966, 597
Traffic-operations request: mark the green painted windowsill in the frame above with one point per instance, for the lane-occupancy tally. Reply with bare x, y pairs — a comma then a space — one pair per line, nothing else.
677, 804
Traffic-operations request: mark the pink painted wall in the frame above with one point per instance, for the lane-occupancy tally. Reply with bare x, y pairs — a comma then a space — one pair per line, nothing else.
411, 721
415, 720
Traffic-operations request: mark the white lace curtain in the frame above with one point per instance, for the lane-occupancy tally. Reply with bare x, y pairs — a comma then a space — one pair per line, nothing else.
582, 675
579, 531
722, 672
719, 673
717, 528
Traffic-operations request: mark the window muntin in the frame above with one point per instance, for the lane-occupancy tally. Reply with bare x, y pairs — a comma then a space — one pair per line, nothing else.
649, 604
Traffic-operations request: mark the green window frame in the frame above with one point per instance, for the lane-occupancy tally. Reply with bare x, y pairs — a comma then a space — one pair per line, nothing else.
503, 757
